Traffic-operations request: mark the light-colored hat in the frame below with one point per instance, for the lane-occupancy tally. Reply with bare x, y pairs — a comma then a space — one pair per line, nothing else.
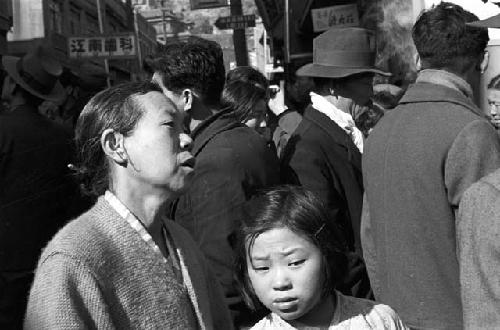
37, 72
491, 22
343, 52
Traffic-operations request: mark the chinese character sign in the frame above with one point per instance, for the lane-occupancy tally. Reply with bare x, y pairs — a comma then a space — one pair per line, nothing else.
334, 16
102, 46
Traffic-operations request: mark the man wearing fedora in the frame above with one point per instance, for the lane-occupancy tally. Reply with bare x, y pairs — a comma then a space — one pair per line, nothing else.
324, 153
35, 186
478, 229
418, 161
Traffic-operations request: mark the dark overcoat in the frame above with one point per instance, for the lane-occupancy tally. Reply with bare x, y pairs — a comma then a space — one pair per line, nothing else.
37, 196
232, 162
322, 158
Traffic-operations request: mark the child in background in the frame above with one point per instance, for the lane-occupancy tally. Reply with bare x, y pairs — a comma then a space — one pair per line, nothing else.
289, 259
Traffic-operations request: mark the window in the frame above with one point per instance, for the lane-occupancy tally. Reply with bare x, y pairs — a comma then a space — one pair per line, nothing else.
55, 16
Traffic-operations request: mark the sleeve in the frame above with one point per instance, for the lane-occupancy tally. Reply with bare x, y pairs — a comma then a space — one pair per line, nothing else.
474, 154
215, 203
478, 255
65, 295
369, 253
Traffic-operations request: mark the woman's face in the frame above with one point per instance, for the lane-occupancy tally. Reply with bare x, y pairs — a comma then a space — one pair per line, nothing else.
494, 105
158, 149
285, 270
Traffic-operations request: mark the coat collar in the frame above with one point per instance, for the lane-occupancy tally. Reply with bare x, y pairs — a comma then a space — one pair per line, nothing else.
336, 133
210, 128
426, 92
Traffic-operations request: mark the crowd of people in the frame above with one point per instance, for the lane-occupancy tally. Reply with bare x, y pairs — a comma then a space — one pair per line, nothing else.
201, 200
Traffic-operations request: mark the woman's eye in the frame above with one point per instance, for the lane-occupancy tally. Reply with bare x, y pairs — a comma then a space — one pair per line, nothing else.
169, 124
261, 269
296, 263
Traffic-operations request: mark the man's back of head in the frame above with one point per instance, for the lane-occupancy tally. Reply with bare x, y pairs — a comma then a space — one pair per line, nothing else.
195, 64
444, 41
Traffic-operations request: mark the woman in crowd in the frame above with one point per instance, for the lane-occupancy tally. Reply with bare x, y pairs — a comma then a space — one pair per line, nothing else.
245, 93
290, 260
494, 101
120, 265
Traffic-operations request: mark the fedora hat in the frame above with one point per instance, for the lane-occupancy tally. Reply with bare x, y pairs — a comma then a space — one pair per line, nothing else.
340, 53
37, 72
491, 22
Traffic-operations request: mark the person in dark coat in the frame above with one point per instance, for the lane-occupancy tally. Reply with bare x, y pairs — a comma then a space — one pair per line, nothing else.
232, 160
36, 190
418, 161
324, 152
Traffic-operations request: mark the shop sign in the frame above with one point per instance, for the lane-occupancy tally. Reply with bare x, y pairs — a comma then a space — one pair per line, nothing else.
103, 46
334, 16
204, 4
235, 22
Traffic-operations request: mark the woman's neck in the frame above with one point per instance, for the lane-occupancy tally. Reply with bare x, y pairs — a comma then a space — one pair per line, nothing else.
143, 203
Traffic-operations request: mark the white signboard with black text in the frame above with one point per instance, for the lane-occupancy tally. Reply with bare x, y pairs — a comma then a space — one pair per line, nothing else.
104, 46
335, 16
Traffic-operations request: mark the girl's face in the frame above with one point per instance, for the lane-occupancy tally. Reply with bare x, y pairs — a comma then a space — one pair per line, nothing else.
494, 104
285, 270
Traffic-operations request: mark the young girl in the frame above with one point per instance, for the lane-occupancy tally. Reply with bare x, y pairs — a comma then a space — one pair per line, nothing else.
290, 258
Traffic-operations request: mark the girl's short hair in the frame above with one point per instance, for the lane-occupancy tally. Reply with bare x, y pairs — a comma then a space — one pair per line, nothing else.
300, 211
114, 108
494, 83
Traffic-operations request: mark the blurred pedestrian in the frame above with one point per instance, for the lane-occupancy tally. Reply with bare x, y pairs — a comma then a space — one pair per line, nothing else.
232, 160
324, 153
418, 161
37, 193
493, 92
121, 264
246, 94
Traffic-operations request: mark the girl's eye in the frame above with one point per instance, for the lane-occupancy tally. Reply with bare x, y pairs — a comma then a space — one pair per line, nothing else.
296, 263
261, 269
169, 124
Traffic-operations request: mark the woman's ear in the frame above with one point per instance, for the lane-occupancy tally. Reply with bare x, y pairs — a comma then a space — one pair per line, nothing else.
112, 143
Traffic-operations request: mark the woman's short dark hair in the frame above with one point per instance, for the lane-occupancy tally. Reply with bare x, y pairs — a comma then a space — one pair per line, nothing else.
443, 40
113, 108
298, 210
245, 87
494, 83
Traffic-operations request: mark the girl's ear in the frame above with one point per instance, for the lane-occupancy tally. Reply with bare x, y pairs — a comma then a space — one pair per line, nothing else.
112, 144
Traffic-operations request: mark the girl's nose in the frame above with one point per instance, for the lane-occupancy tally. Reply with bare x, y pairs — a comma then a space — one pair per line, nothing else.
185, 141
281, 280
493, 110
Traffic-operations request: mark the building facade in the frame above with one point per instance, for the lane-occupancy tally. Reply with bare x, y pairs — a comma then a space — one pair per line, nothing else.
52, 22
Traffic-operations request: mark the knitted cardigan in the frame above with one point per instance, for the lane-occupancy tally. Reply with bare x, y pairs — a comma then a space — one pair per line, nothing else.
97, 272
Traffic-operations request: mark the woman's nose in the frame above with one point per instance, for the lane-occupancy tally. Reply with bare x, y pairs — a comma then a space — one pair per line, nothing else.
185, 141
281, 280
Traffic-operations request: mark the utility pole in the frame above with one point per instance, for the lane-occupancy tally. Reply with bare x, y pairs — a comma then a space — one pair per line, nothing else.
239, 38
101, 30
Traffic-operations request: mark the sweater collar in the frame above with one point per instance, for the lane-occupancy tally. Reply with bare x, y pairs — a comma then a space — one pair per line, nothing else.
445, 78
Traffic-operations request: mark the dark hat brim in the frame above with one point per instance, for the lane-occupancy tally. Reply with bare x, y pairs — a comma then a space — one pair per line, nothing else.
326, 71
56, 95
491, 22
